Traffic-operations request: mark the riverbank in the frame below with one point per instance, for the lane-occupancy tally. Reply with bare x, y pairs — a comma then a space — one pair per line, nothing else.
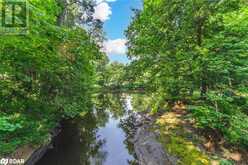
106, 136
182, 139
31, 153
122, 129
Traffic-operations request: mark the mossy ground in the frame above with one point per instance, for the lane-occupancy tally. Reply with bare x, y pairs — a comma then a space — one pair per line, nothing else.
172, 138
181, 141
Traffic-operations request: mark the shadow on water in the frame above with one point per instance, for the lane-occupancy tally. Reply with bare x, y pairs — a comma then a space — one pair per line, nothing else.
102, 137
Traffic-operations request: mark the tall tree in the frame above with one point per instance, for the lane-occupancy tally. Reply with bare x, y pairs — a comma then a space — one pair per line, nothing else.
80, 13
172, 41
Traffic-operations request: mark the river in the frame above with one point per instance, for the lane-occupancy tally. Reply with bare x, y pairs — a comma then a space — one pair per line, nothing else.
101, 137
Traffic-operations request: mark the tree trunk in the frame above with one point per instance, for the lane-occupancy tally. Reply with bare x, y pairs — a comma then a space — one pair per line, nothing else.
204, 85
62, 16
204, 88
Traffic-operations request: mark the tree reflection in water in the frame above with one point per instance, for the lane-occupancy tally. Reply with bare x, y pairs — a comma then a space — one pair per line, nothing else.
80, 142
77, 144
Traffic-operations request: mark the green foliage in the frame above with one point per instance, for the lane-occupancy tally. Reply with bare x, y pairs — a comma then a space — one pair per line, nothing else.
237, 131
209, 118
113, 75
233, 125
45, 75
226, 162
180, 48
6, 126
184, 46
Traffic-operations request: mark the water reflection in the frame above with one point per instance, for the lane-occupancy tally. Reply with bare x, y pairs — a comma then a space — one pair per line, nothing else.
102, 137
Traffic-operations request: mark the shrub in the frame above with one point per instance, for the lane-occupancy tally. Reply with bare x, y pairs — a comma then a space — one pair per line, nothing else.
233, 126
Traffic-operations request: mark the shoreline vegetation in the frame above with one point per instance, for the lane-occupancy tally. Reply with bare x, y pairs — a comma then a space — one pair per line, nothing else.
45, 76
194, 53
188, 59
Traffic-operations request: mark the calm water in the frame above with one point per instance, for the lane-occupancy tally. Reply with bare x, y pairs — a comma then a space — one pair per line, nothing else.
100, 138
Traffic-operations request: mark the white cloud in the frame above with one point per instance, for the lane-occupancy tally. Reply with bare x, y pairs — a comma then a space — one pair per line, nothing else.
100, 1
117, 47
102, 11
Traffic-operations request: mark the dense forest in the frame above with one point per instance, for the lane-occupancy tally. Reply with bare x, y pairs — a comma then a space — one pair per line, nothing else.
46, 75
195, 51
191, 54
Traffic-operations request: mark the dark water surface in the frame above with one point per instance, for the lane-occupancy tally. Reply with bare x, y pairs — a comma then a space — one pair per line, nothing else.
99, 138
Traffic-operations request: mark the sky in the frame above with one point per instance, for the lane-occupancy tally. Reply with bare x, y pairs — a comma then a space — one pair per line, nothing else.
116, 15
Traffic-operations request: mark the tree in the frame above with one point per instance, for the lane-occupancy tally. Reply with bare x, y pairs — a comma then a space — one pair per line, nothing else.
80, 13
45, 76
195, 51
172, 42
